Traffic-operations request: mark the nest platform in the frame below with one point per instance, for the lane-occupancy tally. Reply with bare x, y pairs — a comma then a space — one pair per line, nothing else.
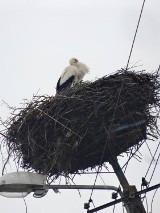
85, 126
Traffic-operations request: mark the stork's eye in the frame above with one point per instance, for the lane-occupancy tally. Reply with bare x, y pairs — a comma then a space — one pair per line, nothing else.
75, 60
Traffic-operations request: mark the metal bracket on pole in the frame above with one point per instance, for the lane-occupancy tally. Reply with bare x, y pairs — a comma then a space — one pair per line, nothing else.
132, 202
130, 197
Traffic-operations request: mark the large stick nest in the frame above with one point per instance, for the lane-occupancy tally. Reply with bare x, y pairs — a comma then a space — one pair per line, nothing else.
85, 126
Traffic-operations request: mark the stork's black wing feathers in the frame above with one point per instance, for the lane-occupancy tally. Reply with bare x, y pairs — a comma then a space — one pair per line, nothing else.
65, 85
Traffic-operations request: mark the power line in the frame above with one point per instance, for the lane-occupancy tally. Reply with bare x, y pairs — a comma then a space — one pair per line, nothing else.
93, 173
152, 159
106, 140
153, 199
154, 168
135, 35
118, 97
123, 199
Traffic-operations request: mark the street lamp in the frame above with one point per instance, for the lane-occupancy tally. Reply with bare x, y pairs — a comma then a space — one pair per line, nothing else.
20, 184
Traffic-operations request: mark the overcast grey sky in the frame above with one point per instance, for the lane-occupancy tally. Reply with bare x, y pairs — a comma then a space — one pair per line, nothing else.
38, 37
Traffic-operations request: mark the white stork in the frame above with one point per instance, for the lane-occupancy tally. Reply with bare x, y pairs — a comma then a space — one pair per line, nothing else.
72, 75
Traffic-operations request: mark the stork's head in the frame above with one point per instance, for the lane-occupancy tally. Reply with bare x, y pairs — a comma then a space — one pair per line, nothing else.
73, 61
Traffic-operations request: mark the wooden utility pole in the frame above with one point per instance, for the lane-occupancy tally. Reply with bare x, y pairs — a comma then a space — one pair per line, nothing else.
132, 203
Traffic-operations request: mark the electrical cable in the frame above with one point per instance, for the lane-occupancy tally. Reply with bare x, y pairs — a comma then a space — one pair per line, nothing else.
149, 149
124, 198
106, 140
154, 168
25, 203
153, 199
152, 159
119, 95
92, 173
135, 35
114, 208
146, 202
